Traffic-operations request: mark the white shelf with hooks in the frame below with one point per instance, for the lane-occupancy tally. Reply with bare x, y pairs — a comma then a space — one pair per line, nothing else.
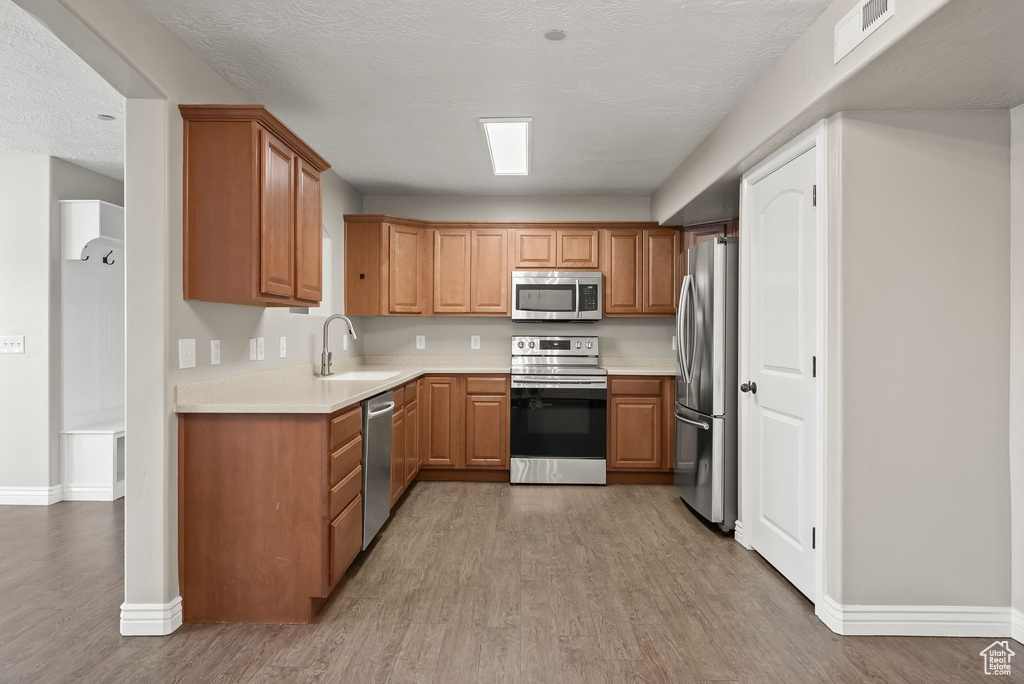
90, 222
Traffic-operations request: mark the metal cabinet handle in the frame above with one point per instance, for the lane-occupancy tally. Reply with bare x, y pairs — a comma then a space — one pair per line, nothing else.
386, 409
749, 387
695, 423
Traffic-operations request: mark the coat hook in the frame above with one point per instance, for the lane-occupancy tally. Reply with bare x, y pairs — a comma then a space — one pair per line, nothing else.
85, 258
107, 260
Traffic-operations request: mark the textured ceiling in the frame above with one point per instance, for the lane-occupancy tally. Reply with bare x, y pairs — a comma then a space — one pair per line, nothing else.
389, 91
49, 99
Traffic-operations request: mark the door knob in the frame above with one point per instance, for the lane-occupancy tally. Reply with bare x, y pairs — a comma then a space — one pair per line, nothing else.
749, 387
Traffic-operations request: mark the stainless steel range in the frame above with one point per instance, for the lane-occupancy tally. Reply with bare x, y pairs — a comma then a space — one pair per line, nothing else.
559, 409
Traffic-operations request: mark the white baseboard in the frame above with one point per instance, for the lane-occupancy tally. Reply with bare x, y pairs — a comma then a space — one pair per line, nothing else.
92, 493
1017, 626
952, 621
738, 535
150, 619
30, 496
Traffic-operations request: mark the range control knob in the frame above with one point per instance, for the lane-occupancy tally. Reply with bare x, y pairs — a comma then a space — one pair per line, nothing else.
519, 344
531, 344
578, 345
590, 345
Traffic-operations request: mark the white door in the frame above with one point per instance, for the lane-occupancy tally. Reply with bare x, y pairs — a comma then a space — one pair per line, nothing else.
779, 416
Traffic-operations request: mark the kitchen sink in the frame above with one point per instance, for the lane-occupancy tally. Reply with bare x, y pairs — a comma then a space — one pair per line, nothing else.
363, 375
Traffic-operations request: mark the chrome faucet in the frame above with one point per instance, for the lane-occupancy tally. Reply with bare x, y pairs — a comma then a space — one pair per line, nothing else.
325, 356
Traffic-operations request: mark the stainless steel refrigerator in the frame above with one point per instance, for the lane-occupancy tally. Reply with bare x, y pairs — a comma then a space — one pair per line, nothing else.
707, 320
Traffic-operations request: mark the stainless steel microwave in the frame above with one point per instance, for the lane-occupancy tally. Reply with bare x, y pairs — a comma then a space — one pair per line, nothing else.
556, 296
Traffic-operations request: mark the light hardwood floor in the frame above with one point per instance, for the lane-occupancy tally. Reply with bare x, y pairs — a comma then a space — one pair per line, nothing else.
468, 582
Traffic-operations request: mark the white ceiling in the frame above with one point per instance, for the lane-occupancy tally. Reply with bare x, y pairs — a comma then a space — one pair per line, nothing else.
389, 91
49, 99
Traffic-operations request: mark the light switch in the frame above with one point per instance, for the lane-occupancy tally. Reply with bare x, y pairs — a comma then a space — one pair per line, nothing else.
214, 352
421, 341
259, 349
284, 347
12, 344
187, 353
474, 341
252, 348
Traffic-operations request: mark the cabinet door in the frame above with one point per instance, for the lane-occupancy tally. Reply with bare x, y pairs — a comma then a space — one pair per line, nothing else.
535, 248
661, 245
277, 217
308, 240
441, 422
634, 433
623, 285
408, 270
489, 271
697, 233
412, 439
577, 248
487, 443
452, 273
397, 455
421, 431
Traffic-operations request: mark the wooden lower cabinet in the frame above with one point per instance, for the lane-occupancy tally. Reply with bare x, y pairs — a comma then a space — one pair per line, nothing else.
397, 454
641, 430
442, 417
466, 422
487, 422
254, 545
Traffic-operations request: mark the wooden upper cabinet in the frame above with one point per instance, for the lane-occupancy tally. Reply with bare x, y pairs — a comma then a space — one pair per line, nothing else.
535, 248
623, 270
452, 270
251, 198
700, 232
577, 248
489, 271
408, 270
308, 239
661, 245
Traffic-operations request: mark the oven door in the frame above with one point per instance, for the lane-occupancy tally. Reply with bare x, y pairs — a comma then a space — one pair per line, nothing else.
558, 422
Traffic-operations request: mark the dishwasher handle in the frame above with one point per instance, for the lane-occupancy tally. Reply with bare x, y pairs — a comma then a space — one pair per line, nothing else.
387, 408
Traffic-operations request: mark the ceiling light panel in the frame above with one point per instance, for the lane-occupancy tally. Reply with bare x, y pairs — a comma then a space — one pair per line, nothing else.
508, 141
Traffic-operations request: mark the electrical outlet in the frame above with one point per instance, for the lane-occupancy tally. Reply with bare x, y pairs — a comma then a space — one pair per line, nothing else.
12, 344
673, 343
214, 352
421, 341
284, 347
344, 342
259, 349
186, 353
474, 341
252, 348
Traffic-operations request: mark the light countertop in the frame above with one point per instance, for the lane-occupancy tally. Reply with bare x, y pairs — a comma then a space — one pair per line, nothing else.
299, 390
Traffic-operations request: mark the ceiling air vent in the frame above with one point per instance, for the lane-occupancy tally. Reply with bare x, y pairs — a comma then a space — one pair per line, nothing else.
860, 23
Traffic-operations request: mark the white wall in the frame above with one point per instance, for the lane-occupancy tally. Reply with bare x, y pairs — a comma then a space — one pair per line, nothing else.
25, 444
1017, 352
156, 313
449, 336
922, 235
457, 208
30, 288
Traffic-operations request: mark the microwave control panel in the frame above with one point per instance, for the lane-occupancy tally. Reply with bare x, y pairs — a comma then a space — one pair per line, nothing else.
588, 298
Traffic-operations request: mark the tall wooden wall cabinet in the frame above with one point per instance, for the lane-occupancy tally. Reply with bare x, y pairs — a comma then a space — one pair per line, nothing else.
252, 209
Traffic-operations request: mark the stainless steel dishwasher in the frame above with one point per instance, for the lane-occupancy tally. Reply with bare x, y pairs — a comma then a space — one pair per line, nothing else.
377, 419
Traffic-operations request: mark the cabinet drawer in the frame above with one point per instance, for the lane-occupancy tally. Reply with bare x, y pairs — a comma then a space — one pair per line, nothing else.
634, 387
345, 460
485, 385
399, 397
345, 426
344, 492
346, 539
410, 392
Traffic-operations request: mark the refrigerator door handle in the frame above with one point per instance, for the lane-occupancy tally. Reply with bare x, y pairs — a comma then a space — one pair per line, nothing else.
695, 423
684, 310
